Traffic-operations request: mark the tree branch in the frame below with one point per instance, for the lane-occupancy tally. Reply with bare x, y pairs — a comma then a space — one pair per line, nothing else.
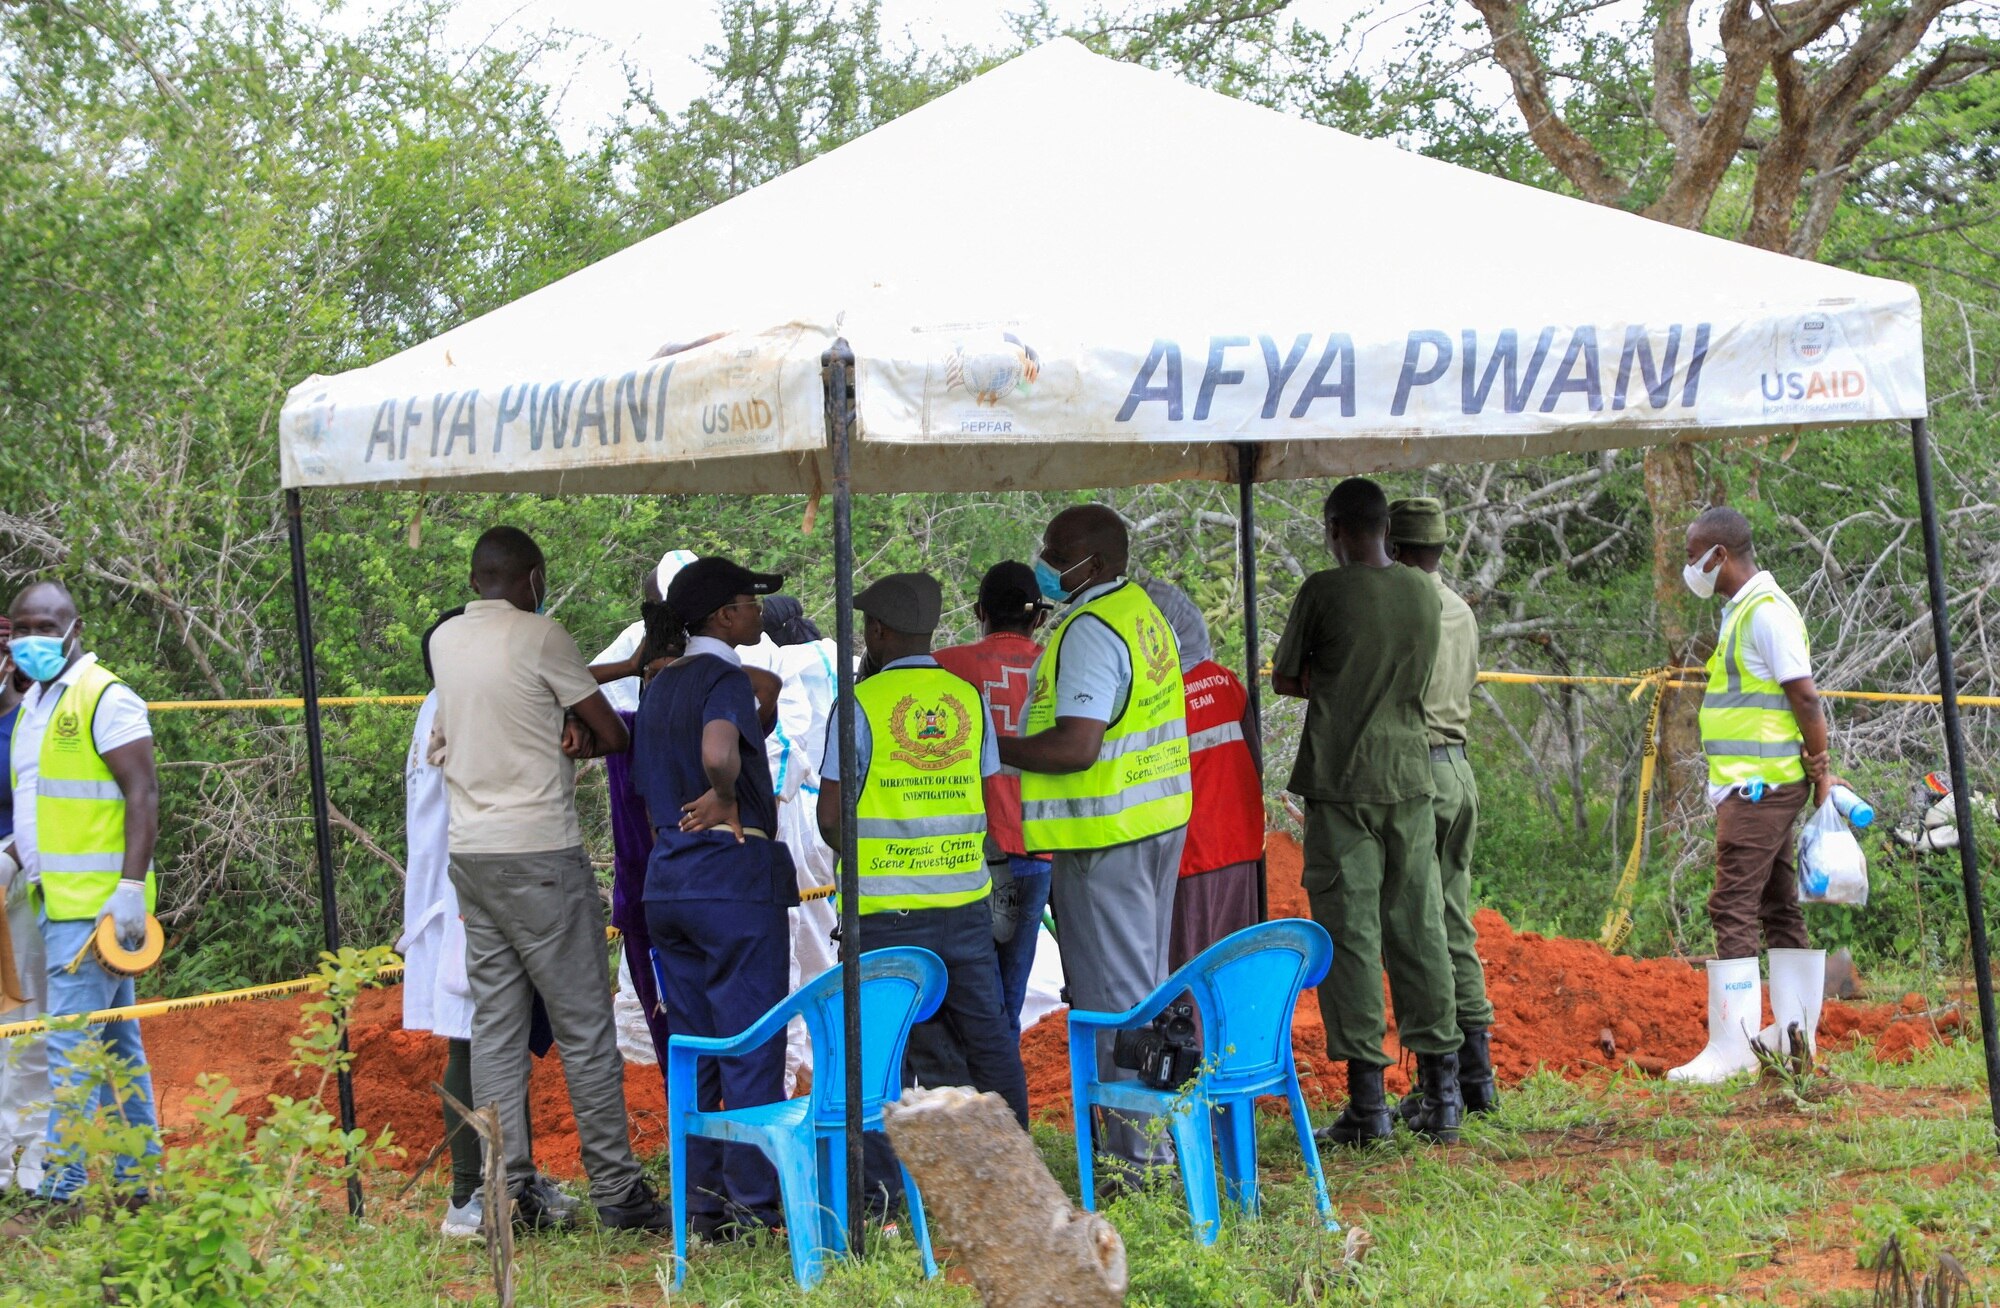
1575, 157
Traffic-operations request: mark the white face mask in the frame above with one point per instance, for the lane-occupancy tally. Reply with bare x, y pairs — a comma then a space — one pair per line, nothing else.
1700, 582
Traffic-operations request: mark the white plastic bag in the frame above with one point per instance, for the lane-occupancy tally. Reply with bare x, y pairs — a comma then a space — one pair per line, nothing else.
1832, 868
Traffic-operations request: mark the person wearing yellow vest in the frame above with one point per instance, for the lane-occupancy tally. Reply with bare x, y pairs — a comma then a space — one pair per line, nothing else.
1105, 787
86, 816
1764, 733
925, 744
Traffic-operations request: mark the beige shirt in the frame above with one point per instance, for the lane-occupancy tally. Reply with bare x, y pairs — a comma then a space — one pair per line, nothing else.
504, 678
1448, 699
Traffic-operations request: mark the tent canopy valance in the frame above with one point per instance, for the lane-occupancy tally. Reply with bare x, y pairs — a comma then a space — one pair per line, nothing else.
1073, 272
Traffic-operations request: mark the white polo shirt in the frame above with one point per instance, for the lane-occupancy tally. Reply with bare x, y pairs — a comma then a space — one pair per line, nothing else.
121, 719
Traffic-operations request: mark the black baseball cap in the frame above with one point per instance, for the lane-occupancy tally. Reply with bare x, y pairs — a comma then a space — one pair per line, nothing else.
909, 602
707, 584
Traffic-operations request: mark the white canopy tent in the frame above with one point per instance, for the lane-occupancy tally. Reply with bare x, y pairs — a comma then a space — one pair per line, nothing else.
1073, 272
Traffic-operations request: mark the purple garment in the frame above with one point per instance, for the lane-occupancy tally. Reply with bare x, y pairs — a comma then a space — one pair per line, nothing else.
631, 848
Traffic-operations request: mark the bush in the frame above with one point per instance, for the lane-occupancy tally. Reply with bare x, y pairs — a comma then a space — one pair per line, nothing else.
226, 1216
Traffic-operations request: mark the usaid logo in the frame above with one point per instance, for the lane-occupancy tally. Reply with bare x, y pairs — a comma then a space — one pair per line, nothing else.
1813, 338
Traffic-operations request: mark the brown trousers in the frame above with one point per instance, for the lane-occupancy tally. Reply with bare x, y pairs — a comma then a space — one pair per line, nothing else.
1756, 879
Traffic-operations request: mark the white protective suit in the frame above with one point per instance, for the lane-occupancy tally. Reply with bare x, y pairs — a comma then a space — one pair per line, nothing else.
24, 1060
794, 747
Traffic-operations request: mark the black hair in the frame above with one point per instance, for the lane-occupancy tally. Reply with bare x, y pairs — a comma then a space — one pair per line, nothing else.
1726, 527
1358, 504
505, 554
1009, 596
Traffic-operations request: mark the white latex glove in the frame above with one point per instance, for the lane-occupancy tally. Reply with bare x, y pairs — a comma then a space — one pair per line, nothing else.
127, 910
10, 871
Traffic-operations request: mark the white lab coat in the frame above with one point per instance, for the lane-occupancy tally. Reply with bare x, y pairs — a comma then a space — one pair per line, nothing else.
436, 994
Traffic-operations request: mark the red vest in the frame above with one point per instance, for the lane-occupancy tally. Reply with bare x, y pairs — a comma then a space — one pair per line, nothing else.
1228, 824
1001, 666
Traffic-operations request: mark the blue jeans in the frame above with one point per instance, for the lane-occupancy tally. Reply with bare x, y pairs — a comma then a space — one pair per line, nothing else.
1017, 956
86, 990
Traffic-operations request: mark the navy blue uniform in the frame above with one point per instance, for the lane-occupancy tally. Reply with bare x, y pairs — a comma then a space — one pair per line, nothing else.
716, 913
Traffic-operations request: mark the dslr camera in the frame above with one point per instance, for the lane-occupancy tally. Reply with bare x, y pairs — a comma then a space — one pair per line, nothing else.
1166, 1052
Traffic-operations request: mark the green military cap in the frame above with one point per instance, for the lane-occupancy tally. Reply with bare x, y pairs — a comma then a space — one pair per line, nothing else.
1418, 520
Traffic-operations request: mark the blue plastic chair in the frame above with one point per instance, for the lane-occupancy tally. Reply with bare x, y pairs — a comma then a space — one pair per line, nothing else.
806, 1139
1245, 988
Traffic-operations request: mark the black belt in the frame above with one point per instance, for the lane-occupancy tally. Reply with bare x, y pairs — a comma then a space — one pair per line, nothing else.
1444, 753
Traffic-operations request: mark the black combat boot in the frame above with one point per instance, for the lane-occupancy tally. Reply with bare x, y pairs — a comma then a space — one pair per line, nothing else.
1412, 1102
1443, 1106
1366, 1118
1475, 1072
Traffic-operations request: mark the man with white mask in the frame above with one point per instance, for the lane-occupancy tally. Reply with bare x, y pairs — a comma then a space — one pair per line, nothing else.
1764, 734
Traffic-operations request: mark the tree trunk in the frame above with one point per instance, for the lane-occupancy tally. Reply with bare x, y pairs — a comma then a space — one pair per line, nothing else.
988, 1195
1674, 493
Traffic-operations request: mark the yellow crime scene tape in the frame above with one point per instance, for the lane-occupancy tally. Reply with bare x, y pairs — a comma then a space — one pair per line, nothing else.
1617, 920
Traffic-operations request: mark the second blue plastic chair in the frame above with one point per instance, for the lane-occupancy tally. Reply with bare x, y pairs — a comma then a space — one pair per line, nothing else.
805, 1139
1245, 989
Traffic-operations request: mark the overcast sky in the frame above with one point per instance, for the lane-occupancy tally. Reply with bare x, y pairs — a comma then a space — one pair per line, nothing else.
665, 38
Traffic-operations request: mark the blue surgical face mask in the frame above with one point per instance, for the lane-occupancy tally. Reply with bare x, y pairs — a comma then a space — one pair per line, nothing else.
42, 658
1050, 582
542, 595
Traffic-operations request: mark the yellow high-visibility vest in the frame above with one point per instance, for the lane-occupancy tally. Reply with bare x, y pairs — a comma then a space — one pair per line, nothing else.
79, 809
922, 810
1139, 786
1747, 727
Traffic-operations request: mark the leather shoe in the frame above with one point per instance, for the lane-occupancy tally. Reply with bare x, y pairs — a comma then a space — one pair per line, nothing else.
639, 1210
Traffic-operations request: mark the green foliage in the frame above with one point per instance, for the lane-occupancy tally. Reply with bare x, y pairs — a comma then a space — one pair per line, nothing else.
202, 205
229, 1213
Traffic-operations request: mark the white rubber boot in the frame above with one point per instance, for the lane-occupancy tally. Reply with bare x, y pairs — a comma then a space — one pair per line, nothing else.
1735, 1005
1798, 991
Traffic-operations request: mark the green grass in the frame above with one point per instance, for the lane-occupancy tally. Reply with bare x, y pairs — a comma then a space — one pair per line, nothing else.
1620, 1191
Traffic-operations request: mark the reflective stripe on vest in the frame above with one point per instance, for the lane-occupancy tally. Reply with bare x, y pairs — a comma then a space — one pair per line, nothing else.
1140, 785
1747, 728
921, 818
79, 808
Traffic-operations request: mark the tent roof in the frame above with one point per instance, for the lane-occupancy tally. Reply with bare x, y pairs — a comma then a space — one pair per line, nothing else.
1076, 272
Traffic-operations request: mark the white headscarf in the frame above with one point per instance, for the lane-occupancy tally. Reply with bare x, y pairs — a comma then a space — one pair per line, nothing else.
670, 566
1190, 631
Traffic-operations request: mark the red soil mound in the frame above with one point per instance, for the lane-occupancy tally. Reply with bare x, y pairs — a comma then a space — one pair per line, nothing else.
394, 1072
1557, 1001
1568, 1005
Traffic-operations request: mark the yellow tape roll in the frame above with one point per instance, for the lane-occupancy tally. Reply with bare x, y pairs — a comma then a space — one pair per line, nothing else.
121, 961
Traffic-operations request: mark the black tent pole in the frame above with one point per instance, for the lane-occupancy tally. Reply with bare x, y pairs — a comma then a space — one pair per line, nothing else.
838, 365
329, 911
1954, 749
1253, 667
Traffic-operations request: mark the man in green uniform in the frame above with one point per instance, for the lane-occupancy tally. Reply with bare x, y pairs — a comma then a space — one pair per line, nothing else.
1417, 539
1358, 648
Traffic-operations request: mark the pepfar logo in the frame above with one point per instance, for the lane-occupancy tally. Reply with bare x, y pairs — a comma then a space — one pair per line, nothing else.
993, 368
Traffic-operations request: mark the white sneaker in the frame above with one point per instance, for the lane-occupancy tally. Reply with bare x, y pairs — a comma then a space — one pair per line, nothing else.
1735, 1007
464, 1221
